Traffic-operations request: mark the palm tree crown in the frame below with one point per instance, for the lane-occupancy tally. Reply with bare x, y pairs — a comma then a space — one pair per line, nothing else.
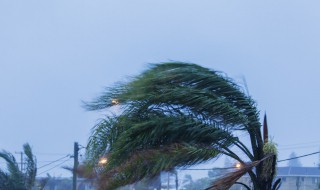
14, 178
173, 115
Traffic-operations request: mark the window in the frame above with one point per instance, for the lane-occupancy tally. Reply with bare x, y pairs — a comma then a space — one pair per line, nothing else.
315, 180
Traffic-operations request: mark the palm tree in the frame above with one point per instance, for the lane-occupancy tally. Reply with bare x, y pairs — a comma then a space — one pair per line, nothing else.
176, 115
15, 179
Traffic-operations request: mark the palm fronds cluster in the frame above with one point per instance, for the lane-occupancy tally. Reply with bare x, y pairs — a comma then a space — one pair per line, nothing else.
231, 178
13, 178
172, 115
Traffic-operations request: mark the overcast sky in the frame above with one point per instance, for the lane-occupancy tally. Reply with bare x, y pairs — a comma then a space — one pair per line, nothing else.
55, 54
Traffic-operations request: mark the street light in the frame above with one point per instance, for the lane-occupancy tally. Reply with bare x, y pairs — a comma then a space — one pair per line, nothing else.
238, 165
103, 161
115, 101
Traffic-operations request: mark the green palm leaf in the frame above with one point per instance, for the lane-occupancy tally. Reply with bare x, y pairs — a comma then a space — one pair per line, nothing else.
14, 178
31, 166
171, 105
14, 175
149, 163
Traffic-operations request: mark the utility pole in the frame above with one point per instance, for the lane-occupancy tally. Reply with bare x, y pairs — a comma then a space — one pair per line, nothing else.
168, 182
75, 164
21, 163
177, 183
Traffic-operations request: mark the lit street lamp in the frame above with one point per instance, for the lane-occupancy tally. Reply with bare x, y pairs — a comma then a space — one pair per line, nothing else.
238, 165
103, 161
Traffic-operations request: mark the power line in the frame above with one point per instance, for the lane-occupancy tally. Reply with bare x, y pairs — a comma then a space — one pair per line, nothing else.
45, 161
302, 143
54, 166
53, 162
47, 153
236, 167
209, 168
299, 147
299, 156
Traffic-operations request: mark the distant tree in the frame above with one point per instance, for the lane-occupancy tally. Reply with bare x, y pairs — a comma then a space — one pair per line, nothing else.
216, 173
190, 184
42, 182
202, 183
153, 183
54, 183
294, 162
187, 179
15, 179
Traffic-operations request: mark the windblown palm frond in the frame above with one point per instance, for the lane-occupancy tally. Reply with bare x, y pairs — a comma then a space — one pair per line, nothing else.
14, 175
167, 111
231, 178
225, 182
14, 178
5, 182
102, 138
149, 163
31, 166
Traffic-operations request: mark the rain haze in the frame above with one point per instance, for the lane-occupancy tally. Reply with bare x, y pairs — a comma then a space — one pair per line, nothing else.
56, 54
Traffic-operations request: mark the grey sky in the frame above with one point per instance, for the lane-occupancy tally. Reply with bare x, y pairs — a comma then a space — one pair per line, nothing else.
54, 54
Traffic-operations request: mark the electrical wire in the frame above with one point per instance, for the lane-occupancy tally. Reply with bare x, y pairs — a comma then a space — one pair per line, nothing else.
209, 168
47, 153
298, 147
54, 166
305, 155
299, 156
53, 161
298, 144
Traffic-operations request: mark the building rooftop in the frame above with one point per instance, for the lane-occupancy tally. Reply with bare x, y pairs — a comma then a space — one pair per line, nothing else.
299, 171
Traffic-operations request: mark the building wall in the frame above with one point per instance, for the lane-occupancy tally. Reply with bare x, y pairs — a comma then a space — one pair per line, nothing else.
288, 183
300, 183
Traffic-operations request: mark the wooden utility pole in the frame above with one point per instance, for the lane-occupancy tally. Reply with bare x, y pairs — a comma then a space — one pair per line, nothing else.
75, 164
168, 182
177, 182
21, 163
